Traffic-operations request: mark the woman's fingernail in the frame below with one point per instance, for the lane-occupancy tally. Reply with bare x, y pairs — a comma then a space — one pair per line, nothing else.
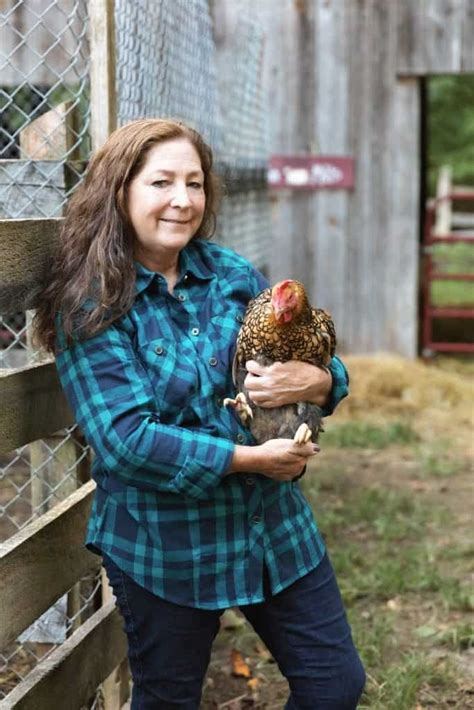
316, 448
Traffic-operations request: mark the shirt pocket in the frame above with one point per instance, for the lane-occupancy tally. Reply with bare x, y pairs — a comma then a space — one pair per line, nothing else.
225, 328
173, 375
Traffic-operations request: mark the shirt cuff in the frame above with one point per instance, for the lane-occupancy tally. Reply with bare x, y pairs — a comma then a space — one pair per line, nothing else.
204, 468
340, 386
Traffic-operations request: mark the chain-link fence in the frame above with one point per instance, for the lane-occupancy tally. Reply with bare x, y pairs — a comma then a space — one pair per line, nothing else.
168, 64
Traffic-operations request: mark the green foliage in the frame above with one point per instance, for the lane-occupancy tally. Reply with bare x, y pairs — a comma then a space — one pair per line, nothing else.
451, 127
365, 435
453, 258
458, 638
397, 686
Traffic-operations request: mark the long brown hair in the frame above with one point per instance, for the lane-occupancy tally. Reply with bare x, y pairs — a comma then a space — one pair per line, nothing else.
93, 277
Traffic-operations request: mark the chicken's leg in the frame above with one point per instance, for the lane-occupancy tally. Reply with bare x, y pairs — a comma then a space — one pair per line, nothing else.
303, 434
241, 405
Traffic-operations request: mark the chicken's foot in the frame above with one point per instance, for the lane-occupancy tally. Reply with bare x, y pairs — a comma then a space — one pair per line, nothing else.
241, 405
303, 434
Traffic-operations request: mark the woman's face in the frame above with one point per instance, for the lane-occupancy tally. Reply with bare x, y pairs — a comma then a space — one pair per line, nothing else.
166, 202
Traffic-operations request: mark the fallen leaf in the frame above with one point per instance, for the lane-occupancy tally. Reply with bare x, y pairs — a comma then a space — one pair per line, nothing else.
254, 684
394, 604
239, 667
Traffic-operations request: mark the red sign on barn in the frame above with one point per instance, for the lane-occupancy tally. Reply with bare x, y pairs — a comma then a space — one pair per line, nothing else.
310, 172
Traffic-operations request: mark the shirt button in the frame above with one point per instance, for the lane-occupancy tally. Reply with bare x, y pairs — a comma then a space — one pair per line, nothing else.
250, 481
181, 297
185, 277
212, 361
240, 438
239, 318
195, 331
256, 519
159, 350
219, 401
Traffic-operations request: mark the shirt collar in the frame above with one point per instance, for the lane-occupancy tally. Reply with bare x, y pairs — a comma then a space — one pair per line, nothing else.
190, 262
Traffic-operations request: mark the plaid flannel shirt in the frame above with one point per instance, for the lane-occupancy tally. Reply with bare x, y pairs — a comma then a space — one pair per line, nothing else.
147, 393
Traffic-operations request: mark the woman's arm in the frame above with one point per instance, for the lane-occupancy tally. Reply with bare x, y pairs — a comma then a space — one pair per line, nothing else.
113, 401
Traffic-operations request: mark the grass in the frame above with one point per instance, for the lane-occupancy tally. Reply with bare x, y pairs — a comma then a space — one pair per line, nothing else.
453, 258
398, 687
458, 638
359, 434
402, 582
437, 460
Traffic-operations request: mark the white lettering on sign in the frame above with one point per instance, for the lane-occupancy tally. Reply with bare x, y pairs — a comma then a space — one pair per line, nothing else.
274, 176
296, 176
310, 172
325, 174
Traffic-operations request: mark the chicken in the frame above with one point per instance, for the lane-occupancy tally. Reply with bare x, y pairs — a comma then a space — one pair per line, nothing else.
281, 325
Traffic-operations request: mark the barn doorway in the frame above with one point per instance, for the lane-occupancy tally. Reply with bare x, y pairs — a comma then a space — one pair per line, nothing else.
447, 273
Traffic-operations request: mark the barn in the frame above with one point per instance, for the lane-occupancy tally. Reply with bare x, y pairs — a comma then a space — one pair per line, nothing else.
346, 78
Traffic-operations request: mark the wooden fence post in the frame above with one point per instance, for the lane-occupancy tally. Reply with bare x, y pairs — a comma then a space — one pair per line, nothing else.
102, 72
103, 122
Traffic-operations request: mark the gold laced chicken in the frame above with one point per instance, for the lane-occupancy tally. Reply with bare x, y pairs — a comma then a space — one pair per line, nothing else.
281, 325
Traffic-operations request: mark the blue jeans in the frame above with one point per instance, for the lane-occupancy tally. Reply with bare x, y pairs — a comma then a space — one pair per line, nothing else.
304, 626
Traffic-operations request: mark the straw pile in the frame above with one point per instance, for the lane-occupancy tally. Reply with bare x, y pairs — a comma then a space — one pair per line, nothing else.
436, 399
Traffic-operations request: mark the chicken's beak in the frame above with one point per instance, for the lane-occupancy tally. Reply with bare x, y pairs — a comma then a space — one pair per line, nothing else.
282, 315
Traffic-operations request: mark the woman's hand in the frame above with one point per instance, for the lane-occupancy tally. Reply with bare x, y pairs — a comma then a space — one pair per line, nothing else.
286, 383
280, 459
283, 460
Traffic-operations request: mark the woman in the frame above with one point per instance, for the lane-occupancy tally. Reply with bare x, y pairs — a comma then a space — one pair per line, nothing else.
189, 516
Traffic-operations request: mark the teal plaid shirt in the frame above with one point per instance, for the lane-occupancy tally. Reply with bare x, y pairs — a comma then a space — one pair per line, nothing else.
147, 393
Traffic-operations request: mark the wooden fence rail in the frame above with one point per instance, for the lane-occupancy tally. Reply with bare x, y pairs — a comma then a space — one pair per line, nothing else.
32, 405
69, 676
42, 561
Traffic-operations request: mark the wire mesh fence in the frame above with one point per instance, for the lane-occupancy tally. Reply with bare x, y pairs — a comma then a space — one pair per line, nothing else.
168, 64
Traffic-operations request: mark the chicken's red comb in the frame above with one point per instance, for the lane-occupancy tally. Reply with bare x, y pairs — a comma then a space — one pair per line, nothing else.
282, 284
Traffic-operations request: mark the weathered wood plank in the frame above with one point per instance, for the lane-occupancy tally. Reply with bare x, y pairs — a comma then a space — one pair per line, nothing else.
51, 136
102, 73
27, 247
434, 37
330, 210
444, 208
402, 243
42, 561
33, 405
69, 676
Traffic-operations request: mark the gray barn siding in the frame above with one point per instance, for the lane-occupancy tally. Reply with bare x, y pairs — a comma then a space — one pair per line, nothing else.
340, 78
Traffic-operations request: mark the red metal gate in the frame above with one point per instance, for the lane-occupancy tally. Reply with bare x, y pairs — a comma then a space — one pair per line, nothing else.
431, 273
